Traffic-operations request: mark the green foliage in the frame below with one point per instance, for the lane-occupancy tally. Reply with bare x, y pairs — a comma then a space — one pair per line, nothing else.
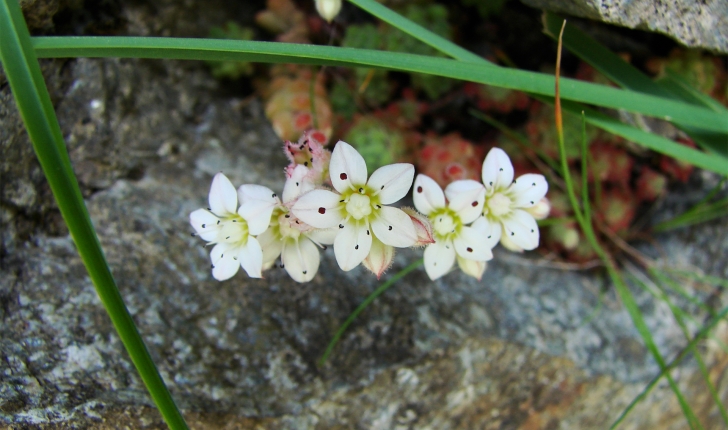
378, 143
486, 8
231, 69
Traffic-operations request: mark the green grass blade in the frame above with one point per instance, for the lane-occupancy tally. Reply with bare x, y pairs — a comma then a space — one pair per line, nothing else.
672, 365
378, 292
680, 317
706, 212
269, 52
34, 104
625, 75
418, 32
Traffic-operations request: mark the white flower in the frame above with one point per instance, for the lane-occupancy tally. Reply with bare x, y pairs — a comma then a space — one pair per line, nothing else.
294, 241
507, 201
328, 9
231, 230
359, 208
453, 238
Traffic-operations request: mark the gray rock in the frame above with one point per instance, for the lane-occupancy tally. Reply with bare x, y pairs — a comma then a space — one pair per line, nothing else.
517, 349
523, 348
694, 23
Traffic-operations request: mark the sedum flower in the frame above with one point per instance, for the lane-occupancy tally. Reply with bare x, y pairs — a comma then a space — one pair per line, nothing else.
328, 9
358, 210
449, 213
231, 230
288, 237
507, 202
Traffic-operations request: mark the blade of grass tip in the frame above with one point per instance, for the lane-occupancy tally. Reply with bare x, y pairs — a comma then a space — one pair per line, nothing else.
34, 104
381, 289
679, 315
708, 212
622, 290
626, 76
672, 365
418, 32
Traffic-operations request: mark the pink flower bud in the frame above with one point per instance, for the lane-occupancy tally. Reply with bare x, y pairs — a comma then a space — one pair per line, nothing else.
423, 227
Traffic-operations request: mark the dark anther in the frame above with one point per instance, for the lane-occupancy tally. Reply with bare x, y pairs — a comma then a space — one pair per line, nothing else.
501, 169
193, 234
379, 207
203, 225
305, 163
390, 228
296, 183
382, 187
513, 234
288, 216
361, 190
322, 210
227, 238
356, 247
218, 222
534, 184
491, 183
474, 204
341, 225
469, 249
531, 201
304, 272
274, 195
419, 189
531, 230
341, 201
367, 232
297, 222
343, 176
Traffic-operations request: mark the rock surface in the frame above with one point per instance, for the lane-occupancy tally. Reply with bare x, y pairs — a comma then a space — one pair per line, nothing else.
694, 23
523, 348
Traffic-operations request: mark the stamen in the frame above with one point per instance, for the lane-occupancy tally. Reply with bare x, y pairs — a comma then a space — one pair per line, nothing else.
322, 211
419, 189
304, 272
305, 163
288, 216
218, 222
390, 228
343, 176
474, 204
469, 249
356, 247
361, 190
274, 195
203, 225
368, 232
341, 225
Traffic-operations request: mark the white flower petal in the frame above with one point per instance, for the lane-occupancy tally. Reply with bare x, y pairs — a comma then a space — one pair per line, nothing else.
256, 206
251, 258
223, 198
347, 168
271, 246
466, 199
224, 263
392, 182
528, 190
427, 195
439, 259
319, 209
472, 268
471, 244
298, 184
489, 230
521, 229
205, 224
352, 245
497, 170
394, 227
300, 259
323, 236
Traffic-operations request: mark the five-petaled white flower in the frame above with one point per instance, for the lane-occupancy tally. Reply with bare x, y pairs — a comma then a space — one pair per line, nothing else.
359, 208
506, 200
231, 230
294, 241
453, 238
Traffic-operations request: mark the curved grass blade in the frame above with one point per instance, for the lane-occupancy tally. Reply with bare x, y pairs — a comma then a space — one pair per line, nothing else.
625, 75
672, 365
418, 32
378, 292
269, 52
581, 215
34, 104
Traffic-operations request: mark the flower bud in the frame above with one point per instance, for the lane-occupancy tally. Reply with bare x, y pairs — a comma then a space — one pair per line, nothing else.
328, 9
423, 227
380, 257
541, 209
472, 268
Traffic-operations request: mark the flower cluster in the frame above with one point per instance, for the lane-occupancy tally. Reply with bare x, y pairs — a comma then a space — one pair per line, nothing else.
462, 223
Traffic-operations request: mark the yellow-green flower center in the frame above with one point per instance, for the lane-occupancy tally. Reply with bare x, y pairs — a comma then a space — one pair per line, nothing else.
360, 203
446, 223
233, 230
498, 205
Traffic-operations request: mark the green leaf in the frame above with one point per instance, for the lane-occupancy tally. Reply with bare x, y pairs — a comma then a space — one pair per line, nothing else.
34, 104
532, 82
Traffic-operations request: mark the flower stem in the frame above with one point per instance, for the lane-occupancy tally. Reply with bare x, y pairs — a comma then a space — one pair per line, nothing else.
382, 288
